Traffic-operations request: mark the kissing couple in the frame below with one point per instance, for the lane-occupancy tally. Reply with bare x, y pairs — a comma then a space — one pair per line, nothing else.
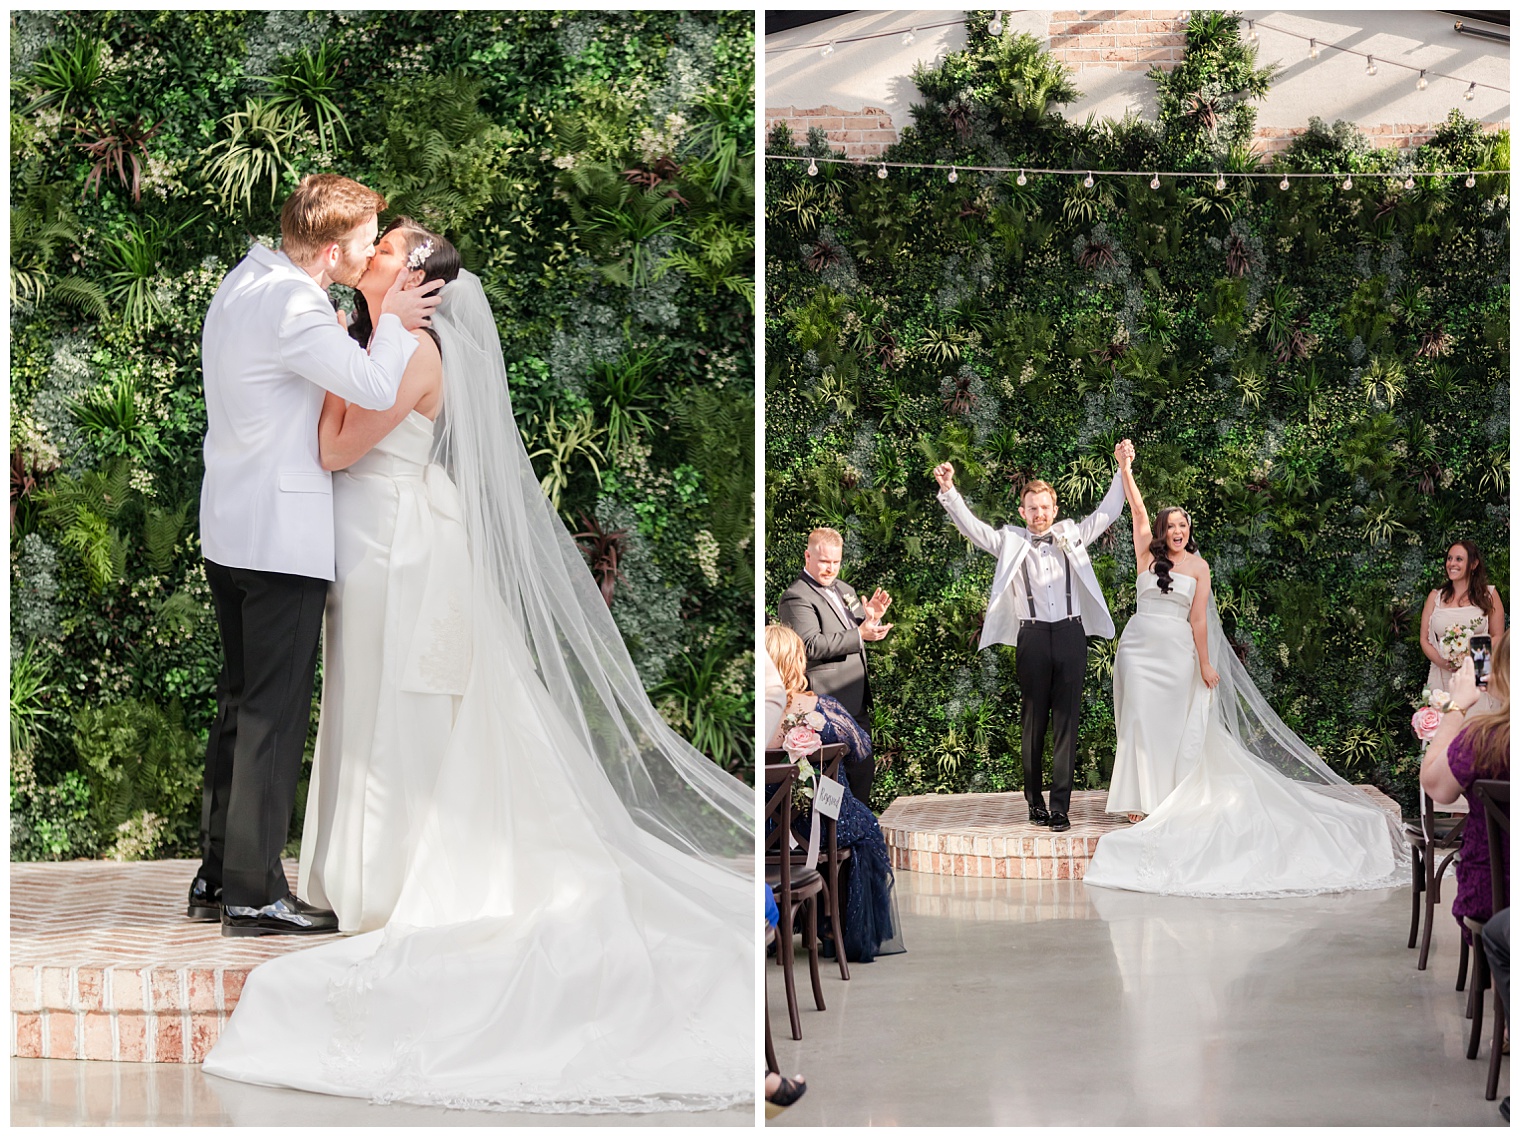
1226, 799
543, 883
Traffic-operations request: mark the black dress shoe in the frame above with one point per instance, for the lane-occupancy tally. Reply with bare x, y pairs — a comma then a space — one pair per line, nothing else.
287, 916
205, 901
1058, 823
1039, 815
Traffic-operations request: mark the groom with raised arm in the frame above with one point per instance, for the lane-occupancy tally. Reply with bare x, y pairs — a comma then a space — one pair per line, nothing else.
271, 347
1045, 601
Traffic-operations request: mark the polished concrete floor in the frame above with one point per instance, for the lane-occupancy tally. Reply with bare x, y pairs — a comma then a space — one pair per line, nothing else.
53, 1092
1047, 1003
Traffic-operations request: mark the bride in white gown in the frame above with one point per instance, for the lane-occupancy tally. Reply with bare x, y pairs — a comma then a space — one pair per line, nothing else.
1237, 804
561, 887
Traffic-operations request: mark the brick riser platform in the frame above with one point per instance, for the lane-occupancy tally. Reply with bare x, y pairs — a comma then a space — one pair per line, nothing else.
990, 835
104, 964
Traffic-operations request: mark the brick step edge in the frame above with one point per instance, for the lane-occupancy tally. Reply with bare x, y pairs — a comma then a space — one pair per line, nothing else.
119, 1013
1069, 867
116, 1036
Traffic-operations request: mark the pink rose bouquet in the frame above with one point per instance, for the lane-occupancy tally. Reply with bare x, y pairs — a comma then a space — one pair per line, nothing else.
1428, 713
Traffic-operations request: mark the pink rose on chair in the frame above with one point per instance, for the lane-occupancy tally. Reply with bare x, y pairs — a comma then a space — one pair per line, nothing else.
801, 741
1426, 721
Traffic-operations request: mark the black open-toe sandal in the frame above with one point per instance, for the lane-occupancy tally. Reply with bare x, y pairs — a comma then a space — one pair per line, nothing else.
785, 1096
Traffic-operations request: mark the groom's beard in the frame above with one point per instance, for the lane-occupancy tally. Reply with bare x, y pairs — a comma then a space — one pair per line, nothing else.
349, 272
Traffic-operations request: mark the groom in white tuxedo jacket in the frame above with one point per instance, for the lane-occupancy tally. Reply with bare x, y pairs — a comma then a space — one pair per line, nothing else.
1045, 601
271, 347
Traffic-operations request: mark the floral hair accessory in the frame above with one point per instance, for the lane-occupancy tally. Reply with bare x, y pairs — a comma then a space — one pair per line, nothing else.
420, 254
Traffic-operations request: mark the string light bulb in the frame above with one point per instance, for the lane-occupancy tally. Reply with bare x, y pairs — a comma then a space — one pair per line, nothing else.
1471, 181
954, 177
995, 25
1371, 66
812, 168
1251, 30
1313, 48
1347, 183
1472, 90
828, 49
1422, 82
1219, 182
1409, 182
881, 171
1155, 181
1282, 185
1022, 180
1087, 181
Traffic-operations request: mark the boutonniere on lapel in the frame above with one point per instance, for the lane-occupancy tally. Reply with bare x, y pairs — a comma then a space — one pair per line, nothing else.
1068, 544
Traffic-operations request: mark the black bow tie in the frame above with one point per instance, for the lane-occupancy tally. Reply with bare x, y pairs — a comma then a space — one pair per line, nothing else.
1045, 539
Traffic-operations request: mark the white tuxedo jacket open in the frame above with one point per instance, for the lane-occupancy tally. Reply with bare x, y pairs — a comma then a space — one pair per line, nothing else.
270, 348
1010, 545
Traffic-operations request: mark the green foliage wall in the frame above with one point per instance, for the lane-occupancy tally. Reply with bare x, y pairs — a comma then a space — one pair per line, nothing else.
595, 169
1319, 375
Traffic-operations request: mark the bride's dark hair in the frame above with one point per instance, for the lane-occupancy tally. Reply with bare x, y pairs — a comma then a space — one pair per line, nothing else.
441, 264
1161, 563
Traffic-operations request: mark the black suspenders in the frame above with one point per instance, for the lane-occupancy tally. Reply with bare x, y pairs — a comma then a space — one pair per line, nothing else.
1029, 588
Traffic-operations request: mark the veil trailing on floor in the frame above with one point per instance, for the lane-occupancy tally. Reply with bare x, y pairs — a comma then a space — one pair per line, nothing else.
523, 555
1252, 722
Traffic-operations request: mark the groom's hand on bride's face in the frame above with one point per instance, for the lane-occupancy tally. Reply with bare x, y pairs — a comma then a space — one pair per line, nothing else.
412, 306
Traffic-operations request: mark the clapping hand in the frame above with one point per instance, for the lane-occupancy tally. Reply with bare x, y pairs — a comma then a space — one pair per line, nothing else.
873, 629
876, 607
944, 474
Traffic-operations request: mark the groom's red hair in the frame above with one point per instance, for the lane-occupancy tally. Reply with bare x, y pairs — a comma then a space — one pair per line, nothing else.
324, 208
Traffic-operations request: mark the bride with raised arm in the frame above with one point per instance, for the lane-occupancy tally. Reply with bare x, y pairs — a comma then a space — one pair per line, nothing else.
1228, 801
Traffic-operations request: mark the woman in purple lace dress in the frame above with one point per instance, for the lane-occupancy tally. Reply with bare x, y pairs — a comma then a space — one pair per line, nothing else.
1460, 754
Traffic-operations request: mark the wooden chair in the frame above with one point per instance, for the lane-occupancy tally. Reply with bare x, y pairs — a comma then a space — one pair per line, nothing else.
795, 888
830, 856
1428, 840
1494, 794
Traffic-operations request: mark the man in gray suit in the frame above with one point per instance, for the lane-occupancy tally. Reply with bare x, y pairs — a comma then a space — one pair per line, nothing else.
835, 626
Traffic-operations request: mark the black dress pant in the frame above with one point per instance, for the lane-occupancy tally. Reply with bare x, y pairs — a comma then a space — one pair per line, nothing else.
271, 624
1052, 664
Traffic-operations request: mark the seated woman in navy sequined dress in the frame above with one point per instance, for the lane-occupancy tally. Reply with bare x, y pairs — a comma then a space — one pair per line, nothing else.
871, 926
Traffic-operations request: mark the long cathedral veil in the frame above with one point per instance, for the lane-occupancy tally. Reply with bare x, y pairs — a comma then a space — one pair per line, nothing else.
1247, 716
523, 555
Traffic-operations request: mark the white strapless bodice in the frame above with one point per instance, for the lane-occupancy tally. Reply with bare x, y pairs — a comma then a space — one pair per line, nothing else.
1151, 601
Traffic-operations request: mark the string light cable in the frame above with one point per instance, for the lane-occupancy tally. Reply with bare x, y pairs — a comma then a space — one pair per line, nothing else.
1317, 45
1255, 27
908, 36
1219, 177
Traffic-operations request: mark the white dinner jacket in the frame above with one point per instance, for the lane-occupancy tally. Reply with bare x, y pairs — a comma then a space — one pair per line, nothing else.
270, 348
1010, 545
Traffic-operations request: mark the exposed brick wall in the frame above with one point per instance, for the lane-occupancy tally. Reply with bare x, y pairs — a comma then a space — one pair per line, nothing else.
860, 134
1125, 41
1400, 135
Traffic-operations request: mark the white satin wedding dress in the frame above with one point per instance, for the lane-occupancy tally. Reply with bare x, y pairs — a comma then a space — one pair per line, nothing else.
562, 924
1254, 811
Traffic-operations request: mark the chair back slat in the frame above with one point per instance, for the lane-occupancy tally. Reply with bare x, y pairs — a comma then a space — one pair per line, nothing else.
1493, 793
778, 808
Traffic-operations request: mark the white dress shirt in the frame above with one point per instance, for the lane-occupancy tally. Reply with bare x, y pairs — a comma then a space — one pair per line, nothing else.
1047, 579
